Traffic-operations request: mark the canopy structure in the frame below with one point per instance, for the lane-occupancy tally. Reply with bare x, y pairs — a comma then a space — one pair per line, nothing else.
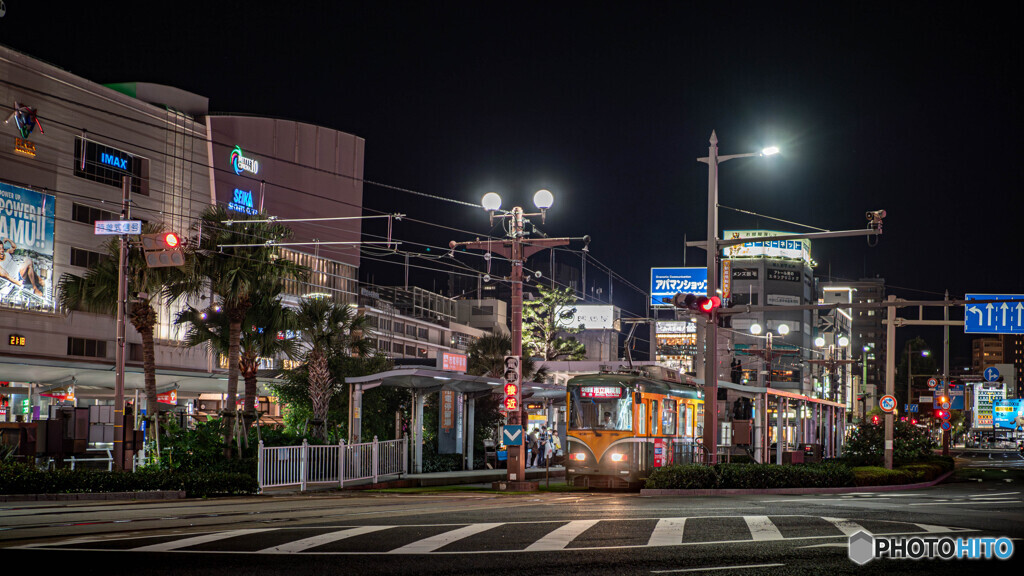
423, 381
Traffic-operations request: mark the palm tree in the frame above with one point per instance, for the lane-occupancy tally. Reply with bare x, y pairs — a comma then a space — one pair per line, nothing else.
96, 291
264, 323
234, 277
327, 330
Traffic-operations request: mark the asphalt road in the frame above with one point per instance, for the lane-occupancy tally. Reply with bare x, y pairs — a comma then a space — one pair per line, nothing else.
548, 533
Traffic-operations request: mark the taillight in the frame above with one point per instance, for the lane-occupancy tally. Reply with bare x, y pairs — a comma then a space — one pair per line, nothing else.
618, 457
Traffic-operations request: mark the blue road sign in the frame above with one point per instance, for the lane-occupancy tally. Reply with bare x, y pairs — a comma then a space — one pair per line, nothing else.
991, 374
994, 317
910, 407
667, 282
946, 426
512, 435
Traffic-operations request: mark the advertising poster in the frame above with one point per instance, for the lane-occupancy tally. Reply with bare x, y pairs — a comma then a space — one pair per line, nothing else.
449, 422
985, 396
1008, 414
667, 282
26, 258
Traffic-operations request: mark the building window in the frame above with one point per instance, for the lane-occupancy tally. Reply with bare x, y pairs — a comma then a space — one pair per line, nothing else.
410, 351
85, 258
397, 347
89, 215
134, 352
423, 333
410, 330
87, 347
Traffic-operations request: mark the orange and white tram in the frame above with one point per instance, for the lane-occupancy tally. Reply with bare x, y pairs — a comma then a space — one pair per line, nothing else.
623, 426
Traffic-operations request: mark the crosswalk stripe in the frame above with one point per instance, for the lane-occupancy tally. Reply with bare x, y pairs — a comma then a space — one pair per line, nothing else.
932, 528
195, 540
668, 532
848, 527
561, 536
434, 542
321, 539
761, 528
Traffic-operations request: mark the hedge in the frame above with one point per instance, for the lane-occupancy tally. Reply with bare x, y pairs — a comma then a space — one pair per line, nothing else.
16, 478
752, 476
922, 471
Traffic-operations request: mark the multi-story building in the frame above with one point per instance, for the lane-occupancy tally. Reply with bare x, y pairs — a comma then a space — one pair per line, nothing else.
66, 151
986, 351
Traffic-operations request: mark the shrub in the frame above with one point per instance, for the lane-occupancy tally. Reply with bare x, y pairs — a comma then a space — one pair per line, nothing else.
865, 446
20, 478
683, 476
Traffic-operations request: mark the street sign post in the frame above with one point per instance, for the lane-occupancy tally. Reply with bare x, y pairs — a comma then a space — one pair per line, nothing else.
887, 403
994, 318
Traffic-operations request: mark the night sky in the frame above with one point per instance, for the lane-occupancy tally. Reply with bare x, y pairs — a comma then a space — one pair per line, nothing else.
914, 108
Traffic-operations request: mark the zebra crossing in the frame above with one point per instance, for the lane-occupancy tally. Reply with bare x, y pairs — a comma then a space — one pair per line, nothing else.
505, 537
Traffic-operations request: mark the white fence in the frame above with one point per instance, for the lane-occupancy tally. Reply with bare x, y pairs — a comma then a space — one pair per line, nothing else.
332, 464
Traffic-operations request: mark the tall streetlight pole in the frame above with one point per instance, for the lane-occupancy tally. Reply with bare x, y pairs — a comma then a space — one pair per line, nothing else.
711, 329
517, 248
910, 373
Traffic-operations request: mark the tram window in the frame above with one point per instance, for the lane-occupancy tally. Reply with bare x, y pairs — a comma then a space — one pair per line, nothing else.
589, 410
641, 419
668, 418
654, 417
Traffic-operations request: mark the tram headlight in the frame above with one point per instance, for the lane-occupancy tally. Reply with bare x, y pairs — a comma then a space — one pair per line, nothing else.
619, 457
578, 456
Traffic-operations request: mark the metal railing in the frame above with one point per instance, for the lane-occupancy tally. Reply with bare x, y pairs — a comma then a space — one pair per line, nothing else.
331, 464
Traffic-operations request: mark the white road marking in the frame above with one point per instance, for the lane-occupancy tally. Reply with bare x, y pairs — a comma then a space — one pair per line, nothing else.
320, 540
761, 528
195, 540
668, 532
434, 542
714, 568
561, 536
971, 503
848, 527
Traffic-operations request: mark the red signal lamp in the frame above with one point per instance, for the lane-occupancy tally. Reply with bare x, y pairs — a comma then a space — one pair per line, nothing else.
875, 419
708, 305
172, 240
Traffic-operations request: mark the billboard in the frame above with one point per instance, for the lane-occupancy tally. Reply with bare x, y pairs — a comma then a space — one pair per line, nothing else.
985, 396
591, 316
667, 282
26, 256
762, 246
1008, 414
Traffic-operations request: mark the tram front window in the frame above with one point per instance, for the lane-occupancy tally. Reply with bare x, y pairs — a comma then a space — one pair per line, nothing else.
600, 408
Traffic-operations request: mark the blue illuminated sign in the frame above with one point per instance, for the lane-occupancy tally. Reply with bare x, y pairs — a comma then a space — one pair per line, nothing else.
115, 161
667, 282
242, 202
1008, 414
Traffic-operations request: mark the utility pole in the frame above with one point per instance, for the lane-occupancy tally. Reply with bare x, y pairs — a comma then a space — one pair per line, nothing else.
516, 248
945, 368
122, 297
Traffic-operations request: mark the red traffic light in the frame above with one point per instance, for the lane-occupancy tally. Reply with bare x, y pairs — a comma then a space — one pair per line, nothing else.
875, 419
171, 240
708, 305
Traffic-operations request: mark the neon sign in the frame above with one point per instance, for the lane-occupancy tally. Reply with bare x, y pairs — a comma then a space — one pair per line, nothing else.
242, 202
25, 118
115, 161
240, 163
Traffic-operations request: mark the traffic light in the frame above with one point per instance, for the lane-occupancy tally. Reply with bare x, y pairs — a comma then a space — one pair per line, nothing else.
163, 249
942, 414
875, 419
704, 304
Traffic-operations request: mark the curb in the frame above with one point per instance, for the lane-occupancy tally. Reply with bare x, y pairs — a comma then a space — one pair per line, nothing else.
755, 491
153, 495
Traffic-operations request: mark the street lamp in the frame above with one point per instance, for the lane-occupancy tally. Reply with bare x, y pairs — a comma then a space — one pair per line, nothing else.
516, 251
711, 329
910, 372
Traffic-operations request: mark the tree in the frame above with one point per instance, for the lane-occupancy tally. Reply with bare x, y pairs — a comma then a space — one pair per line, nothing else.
261, 337
328, 329
545, 319
96, 291
234, 276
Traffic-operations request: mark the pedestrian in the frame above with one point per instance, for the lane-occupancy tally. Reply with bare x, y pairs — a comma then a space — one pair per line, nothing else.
556, 448
542, 441
533, 449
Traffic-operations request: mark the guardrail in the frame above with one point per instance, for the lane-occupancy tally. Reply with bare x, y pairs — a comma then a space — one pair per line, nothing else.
330, 464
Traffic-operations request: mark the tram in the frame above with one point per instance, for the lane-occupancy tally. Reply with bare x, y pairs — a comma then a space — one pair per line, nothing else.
621, 426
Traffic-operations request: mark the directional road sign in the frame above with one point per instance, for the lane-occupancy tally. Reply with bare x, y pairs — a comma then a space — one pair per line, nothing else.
887, 403
910, 407
118, 227
512, 435
994, 317
991, 374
